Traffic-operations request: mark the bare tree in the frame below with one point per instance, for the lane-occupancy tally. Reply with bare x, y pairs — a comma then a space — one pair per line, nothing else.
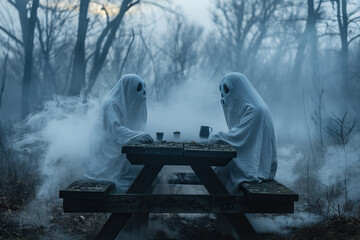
345, 21
27, 12
127, 54
105, 40
181, 48
3, 75
79, 64
308, 37
178, 54
102, 46
53, 41
243, 25
342, 131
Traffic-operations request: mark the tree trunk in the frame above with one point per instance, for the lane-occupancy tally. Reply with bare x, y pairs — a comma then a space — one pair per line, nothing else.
79, 64
313, 40
343, 22
344, 48
3, 75
309, 36
103, 44
27, 85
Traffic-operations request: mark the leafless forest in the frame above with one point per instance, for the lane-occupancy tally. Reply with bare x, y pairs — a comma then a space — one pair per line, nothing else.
59, 57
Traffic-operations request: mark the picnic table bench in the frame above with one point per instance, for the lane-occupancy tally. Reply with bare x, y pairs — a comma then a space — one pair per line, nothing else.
97, 196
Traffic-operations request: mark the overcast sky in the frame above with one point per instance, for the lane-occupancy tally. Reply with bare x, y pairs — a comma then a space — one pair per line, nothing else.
196, 10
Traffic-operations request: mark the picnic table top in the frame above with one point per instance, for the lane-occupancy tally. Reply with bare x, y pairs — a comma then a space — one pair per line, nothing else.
192, 149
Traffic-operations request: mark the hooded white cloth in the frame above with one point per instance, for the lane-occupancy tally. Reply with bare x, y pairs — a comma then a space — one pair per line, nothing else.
251, 133
122, 118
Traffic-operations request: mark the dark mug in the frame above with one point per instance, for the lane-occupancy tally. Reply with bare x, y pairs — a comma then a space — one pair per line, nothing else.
205, 131
159, 136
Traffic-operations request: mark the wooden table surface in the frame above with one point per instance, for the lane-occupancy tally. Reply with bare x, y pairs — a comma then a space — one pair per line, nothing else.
176, 148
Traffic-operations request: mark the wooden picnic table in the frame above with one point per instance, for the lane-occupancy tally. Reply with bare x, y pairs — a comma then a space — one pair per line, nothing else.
270, 197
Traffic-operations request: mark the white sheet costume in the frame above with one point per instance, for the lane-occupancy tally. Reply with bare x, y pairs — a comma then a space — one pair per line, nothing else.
122, 118
251, 133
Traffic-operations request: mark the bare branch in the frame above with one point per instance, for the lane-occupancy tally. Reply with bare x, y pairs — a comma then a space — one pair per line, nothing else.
340, 130
42, 45
329, 34
130, 5
107, 14
90, 56
3, 77
318, 7
12, 3
354, 19
353, 38
160, 6
127, 52
11, 35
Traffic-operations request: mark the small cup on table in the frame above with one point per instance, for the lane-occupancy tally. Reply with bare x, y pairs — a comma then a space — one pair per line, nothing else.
205, 131
159, 136
176, 135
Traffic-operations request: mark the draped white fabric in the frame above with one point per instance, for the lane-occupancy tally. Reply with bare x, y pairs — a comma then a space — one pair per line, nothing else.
122, 118
251, 133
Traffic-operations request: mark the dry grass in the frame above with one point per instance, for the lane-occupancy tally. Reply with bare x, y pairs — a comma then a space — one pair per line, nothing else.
335, 228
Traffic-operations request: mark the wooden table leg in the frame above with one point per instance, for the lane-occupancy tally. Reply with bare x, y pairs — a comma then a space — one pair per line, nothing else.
145, 179
113, 226
209, 179
213, 185
241, 225
141, 184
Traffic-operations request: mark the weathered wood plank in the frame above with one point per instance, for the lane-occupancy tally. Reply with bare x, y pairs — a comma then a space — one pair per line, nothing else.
179, 154
241, 225
113, 226
87, 189
155, 148
205, 150
143, 159
145, 179
209, 179
184, 178
174, 203
237, 220
268, 190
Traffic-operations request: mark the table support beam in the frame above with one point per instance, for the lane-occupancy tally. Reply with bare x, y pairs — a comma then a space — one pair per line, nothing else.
113, 226
213, 185
141, 184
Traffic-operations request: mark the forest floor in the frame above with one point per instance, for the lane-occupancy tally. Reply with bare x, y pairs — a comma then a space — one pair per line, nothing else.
55, 224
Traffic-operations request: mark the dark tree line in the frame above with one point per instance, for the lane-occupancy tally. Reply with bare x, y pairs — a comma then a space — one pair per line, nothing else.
68, 48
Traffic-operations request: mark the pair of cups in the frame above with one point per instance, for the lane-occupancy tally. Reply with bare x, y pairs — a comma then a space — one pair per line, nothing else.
204, 133
160, 136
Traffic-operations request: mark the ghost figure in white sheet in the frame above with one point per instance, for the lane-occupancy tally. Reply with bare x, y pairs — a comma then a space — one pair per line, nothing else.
122, 119
251, 133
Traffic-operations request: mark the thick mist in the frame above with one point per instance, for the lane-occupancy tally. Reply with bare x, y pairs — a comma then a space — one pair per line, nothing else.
187, 107
60, 135
303, 63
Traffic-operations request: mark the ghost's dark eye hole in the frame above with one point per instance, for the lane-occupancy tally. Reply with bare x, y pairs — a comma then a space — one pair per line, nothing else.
226, 89
220, 87
139, 87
